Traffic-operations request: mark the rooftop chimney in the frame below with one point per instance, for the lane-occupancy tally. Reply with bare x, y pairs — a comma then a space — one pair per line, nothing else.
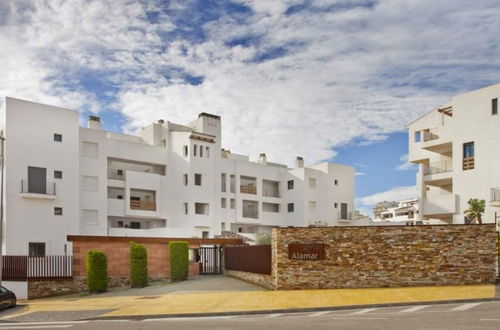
262, 158
94, 122
299, 162
161, 121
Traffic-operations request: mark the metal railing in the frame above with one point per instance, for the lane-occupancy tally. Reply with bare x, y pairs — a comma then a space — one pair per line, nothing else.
442, 166
48, 268
49, 189
430, 134
495, 195
143, 205
248, 258
116, 174
346, 216
270, 192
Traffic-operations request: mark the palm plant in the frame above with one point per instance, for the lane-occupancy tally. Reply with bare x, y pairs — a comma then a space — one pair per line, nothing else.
475, 210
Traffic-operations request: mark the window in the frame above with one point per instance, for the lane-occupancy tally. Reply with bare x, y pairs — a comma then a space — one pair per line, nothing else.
201, 151
36, 249
312, 206
223, 203
195, 149
37, 181
494, 106
186, 208
58, 211
232, 203
135, 225
197, 179
58, 137
119, 172
185, 151
223, 182
90, 183
312, 183
57, 174
185, 176
201, 208
119, 196
90, 149
335, 205
250, 209
290, 184
204, 234
290, 207
207, 149
90, 217
468, 159
232, 183
418, 136
336, 182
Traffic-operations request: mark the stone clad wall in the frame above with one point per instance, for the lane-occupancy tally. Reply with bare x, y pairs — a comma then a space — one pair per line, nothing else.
390, 256
262, 280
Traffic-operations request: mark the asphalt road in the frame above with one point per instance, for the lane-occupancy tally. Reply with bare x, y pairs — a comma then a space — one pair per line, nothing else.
485, 315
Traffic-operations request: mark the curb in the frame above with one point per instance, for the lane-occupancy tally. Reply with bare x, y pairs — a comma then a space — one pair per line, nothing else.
289, 310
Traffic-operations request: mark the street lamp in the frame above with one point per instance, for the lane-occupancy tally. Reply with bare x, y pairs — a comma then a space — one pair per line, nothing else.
2, 142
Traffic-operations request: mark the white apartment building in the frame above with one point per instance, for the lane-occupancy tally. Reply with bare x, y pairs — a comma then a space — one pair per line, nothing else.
171, 181
405, 211
456, 148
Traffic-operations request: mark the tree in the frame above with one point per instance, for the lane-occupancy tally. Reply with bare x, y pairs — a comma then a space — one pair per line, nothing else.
475, 210
263, 239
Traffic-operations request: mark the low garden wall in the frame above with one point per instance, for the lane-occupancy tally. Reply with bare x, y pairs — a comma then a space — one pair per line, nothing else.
263, 280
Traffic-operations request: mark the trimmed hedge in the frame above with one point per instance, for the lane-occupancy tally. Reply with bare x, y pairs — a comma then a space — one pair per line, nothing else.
179, 260
138, 265
97, 271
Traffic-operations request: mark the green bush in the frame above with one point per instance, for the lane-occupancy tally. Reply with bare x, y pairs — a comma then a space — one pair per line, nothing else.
138, 265
179, 260
97, 271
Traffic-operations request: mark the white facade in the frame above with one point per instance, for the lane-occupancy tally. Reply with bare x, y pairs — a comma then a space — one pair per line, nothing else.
456, 148
171, 181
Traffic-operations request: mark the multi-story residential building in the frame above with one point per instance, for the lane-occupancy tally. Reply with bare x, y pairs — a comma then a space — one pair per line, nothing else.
405, 211
171, 181
455, 146
383, 206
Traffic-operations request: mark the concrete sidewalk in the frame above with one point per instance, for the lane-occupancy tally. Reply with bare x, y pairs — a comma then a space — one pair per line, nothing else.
195, 303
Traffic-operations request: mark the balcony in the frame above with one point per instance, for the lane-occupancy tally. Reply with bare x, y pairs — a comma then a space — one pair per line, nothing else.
248, 185
35, 189
495, 197
142, 205
439, 205
438, 173
437, 139
270, 188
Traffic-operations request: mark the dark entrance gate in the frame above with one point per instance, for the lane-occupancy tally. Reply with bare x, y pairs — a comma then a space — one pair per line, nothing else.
210, 259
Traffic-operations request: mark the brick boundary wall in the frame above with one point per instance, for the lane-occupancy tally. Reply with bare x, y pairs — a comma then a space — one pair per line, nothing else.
388, 256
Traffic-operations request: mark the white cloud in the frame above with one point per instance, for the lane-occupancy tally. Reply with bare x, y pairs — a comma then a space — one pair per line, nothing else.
405, 164
352, 73
359, 173
394, 194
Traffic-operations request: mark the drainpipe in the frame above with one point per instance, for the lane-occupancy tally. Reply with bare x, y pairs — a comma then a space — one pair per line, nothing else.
2, 141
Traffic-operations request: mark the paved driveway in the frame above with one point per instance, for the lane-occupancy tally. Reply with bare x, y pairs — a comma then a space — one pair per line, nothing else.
198, 284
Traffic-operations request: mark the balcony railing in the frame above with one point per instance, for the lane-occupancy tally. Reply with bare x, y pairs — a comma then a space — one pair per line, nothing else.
143, 205
430, 134
345, 216
116, 174
246, 189
250, 214
48, 189
438, 167
495, 195
270, 192
468, 163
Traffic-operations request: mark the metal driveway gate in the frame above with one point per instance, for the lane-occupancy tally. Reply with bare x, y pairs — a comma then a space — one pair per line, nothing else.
210, 260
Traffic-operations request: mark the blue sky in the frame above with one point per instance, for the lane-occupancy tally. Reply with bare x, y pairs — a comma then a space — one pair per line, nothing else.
324, 79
